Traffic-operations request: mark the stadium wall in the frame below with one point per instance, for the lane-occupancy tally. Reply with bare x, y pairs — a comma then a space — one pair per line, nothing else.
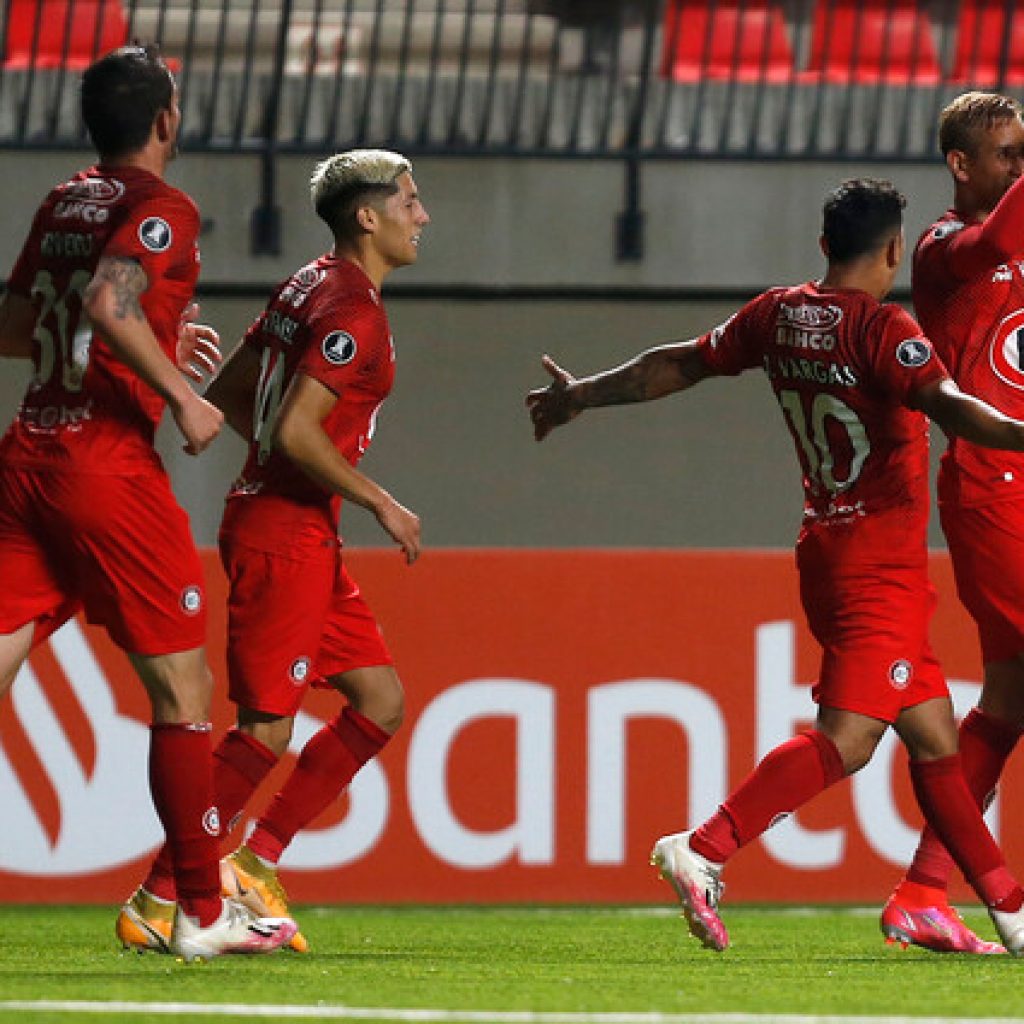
520, 260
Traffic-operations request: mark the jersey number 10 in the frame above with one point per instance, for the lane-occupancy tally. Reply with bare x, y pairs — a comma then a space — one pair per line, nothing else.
812, 433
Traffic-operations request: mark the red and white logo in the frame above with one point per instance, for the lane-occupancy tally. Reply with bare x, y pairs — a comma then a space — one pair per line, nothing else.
191, 600
1006, 352
211, 821
299, 670
900, 674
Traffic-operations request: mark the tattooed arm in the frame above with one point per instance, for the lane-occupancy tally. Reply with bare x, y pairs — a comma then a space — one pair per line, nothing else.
652, 374
112, 301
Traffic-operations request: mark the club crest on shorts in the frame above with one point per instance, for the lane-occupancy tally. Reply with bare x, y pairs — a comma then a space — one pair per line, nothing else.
900, 674
211, 821
339, 348
191, 600
299, 670
913, 352
1006, 352
155, 234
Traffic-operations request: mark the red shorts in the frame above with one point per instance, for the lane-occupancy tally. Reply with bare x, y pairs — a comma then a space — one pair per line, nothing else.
873, 629
293, 620
118, 546
986, 545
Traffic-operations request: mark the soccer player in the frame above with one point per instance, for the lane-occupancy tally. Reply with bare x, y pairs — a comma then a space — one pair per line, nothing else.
87, 517
968, 289
854, 379
305, 387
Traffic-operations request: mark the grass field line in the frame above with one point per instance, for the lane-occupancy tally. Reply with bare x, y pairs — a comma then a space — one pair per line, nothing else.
434, 1016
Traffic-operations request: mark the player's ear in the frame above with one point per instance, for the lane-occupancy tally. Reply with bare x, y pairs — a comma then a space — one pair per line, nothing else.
366, 218
957, 161
823, 245
163, 125
894, 251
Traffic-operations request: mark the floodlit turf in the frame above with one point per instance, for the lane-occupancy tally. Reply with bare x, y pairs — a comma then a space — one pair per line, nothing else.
505, 959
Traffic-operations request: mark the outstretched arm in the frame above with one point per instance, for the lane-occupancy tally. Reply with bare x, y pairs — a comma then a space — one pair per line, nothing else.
977, 247
652, 374
300, 435
963, 415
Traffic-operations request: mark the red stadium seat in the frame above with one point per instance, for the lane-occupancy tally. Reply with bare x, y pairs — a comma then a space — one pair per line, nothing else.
981, 35
870, 41
728, 39
68, 33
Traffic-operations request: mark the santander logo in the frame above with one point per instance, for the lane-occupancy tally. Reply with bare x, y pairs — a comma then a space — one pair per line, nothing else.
73, 779
85, 804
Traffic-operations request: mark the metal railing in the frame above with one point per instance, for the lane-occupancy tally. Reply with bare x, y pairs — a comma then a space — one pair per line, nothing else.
792, 79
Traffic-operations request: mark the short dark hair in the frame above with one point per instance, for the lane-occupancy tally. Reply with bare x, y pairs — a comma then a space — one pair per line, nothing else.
965, 118
121, 95
860, 216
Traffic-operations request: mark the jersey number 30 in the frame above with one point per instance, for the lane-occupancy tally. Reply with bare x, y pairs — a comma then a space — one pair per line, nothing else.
57, 329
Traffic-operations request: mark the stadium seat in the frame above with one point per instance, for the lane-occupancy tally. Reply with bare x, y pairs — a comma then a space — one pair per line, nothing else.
871, 41
62, 33
982, 39
727, 39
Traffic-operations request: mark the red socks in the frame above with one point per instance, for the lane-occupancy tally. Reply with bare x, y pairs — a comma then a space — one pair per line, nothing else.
181, 781
985, 745
953, 813
325, 767
240, 764
786, 778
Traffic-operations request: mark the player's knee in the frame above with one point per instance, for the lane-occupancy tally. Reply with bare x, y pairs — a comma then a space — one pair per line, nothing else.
395, 713
179, 685
271, 731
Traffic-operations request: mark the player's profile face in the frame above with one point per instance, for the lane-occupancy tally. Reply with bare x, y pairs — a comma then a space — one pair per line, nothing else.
998, 160
402, 220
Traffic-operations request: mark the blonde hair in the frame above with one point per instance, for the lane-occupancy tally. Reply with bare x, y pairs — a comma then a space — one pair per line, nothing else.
344, 182
962, 121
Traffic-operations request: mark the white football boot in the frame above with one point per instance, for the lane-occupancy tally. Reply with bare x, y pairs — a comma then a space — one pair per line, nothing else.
237, 930
698, 885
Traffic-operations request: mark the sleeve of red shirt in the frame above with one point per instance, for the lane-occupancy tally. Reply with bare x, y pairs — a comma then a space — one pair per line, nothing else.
738, 344
903, 359
339, 346
159, 232
975, 248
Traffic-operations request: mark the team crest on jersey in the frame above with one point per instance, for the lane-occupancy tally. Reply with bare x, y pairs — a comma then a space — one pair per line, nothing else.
900, 674
913, 352
299, 670
211, 821
1006, 352
155, 234
947, 228
339, 348
191, 600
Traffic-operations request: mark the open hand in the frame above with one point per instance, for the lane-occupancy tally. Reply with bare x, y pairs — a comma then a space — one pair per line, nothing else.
552, 406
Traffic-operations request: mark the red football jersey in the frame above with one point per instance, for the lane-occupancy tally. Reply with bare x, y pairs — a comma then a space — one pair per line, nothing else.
969, 297
84, 407
844, 369
326, 321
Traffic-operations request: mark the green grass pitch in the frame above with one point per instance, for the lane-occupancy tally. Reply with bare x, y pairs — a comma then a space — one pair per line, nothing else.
820, 962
